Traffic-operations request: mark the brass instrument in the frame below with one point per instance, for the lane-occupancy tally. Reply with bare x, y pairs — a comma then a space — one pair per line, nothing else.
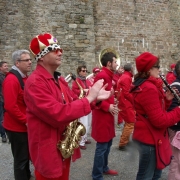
73, 132
100, 56
109, 50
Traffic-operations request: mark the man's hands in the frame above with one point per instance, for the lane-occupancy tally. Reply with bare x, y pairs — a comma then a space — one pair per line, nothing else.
113, 109
97, 91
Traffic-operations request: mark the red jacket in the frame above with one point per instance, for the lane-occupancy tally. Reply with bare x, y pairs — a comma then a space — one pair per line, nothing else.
170, 77
125, 97
15, 107
84, 84
47, 117
102, 120
116, 77
150, 102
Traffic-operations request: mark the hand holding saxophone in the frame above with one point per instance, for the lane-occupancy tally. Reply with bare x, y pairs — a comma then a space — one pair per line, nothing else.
97, 91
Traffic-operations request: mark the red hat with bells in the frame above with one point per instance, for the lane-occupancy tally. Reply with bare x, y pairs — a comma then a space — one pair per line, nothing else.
43, 44
145, 61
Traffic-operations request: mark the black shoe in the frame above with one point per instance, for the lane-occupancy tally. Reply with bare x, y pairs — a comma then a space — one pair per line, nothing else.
4, 139
122, 148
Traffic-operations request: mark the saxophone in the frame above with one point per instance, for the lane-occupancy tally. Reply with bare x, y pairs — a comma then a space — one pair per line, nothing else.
73, 132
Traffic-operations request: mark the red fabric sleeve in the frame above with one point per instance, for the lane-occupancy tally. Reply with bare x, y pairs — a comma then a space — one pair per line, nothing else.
12, 103
152, 107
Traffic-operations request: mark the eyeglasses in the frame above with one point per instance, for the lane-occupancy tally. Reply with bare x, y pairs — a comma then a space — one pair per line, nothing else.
84, 70
57, 50
25, 60
157, 66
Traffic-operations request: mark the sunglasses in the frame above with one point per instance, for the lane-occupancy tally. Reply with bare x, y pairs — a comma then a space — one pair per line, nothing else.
56, 51
84, 70
157, 66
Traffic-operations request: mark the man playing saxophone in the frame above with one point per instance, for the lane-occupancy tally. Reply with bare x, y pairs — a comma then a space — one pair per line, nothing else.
50, 109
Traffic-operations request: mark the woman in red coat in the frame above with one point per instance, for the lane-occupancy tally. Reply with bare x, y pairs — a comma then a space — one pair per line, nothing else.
152, 120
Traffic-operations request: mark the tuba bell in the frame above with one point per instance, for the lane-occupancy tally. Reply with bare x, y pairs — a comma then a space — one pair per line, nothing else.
109, 50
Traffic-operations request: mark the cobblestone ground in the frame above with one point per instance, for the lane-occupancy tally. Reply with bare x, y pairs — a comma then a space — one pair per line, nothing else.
125, 162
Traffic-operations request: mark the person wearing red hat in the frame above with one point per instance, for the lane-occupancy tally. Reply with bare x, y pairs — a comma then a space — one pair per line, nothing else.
50, 109
171, 75
95, 71
152, 120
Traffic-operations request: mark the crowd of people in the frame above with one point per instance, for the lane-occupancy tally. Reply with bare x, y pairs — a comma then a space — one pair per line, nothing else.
37, 111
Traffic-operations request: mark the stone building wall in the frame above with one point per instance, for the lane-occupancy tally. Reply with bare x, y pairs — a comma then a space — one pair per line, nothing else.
85, 27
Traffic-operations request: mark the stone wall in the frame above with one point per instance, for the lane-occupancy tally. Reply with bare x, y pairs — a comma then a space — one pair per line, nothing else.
85, 27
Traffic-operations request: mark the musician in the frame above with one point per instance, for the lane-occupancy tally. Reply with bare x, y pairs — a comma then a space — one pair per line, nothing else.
50, 109
85, 84
174, 133
171, 75
103, 120
95, 71
152, 120
117, 74
125, 104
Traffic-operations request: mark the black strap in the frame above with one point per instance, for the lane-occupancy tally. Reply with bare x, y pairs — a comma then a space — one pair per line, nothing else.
19, 77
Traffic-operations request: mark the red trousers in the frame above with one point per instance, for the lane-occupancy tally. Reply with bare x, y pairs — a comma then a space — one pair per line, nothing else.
65, 175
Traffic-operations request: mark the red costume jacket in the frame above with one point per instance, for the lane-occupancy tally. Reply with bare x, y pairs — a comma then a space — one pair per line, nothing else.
170, 77
102, 120
125, 98
47, 116
150, 103
15, 107
85, 84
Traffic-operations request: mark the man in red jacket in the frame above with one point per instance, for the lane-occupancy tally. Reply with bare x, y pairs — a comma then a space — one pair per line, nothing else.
15, 122
103, 130
125, 100
50, 109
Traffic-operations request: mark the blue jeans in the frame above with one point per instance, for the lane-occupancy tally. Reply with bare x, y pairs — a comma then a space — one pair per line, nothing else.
2, 131
101, 160
147, 163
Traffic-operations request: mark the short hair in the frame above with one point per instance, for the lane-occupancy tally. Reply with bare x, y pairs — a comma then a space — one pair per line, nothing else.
128, 67
80, 67
16, 55
2, 62
177, 68
107, 57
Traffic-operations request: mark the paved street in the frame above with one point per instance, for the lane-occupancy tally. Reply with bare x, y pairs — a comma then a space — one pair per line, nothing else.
124, 162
